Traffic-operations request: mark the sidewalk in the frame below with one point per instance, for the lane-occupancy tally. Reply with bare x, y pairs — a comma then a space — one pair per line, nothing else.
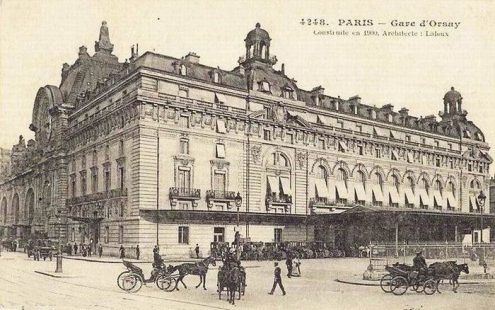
115, 260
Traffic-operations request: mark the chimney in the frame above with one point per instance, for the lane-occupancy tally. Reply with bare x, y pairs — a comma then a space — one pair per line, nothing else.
192, 57
283, 69
355, 99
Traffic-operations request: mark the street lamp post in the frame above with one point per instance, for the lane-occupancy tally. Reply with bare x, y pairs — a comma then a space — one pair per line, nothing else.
238, 202
481, 204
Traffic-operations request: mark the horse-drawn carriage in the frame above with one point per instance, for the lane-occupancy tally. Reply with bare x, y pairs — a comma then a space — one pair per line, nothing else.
231, 277
400, 277
133, 278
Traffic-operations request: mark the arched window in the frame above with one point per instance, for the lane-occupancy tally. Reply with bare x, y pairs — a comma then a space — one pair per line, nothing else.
451, 187
395, 182
4, 210
424, 184
377, 179
29, 205
410, 183
438, 186
475, 184
283, 161
321, 173
250, 51
15, 208
361, 178
263, 50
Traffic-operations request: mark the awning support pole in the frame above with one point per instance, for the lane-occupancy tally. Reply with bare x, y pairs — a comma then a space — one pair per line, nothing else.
397, 238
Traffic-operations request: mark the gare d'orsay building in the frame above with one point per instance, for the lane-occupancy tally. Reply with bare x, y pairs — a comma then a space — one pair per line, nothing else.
155, 149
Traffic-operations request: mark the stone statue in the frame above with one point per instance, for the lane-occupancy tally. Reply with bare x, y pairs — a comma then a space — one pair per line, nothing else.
103, 43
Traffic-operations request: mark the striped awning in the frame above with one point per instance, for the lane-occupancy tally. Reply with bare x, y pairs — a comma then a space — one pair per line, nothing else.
377, 191
341, 190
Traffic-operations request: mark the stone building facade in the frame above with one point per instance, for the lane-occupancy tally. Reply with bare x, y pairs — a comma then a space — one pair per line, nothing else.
155, 150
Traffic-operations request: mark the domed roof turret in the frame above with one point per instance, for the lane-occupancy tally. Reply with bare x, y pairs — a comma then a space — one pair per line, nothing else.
257, 34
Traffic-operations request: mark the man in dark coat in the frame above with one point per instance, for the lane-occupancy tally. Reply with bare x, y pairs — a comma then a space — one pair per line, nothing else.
277, 279
122, 251
138, 252
75, 248
100, 250
197, 250
288, 262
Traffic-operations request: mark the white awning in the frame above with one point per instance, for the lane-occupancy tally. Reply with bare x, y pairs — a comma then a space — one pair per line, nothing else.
285, 185
221, 126
410, 157
341, 190
379, 132
343, 146
438, 198
321, 188
394, 134
451, 200
325, 120
409, 195
360, 193
273, 182
220, 98
220, 150
474, 203
395, 155
424, 197
394, 195
377, 191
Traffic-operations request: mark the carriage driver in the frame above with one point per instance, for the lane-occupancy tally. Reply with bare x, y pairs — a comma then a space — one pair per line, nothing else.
419, 263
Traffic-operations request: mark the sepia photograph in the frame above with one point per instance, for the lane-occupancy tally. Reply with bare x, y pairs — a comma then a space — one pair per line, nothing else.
165, 154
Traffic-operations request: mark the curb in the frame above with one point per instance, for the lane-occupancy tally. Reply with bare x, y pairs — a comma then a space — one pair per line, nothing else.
54, 275
378, 284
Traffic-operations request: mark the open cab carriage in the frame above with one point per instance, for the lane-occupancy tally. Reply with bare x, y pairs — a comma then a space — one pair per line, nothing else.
133, 278
400, 277
41, 249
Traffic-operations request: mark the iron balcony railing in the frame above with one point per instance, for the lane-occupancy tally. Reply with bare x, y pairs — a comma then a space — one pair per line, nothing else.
278, 198
184, 193
219, 194
113, 193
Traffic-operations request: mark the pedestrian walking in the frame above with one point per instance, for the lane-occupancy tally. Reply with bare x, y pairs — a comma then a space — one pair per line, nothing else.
288, 262
75, 248
89, 250
100, 250
122, 251
138, 252
277, 279
197, 250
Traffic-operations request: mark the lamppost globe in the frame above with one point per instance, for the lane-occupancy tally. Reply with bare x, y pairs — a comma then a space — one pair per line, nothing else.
481, 203
238, 200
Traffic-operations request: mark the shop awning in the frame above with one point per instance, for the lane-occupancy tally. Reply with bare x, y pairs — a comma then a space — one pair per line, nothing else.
438, 198
474, 203
360, 193
409, 195
394, 195
423, 195
341, 190
343, 146
285, 185
377, 191
321, 188
273, 183
394, 134
451, 200
221, 126
220, 98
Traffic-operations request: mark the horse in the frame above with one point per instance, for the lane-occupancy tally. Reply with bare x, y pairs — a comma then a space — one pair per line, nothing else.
199, 268
232, 280
449, 270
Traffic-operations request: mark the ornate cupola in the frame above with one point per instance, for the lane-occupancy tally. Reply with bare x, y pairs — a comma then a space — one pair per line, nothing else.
452, 102
258, 46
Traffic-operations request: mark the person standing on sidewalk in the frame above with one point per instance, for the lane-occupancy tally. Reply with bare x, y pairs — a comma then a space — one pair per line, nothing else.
122, 251
100, 250
138, 252
75, 248
197, 250
288, 262
277, 279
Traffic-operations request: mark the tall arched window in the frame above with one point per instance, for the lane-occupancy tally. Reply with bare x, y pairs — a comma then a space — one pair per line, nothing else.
4, 210
278, 183
321, 185
15, 208
341, 185
410, 183
360, 187
395, 182
377, 189
321, 173
437, 186
29, 205
474, 190
393, 191
342, 175
263, 50
409, 192
451, 187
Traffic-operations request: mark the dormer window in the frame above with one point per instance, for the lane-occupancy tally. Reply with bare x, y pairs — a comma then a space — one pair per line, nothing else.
337, 105
182, 70
373, 114
287, 93
264, 86
390, 118
216, 77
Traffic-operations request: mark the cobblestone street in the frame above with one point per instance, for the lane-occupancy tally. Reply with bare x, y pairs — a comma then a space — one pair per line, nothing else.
91, 284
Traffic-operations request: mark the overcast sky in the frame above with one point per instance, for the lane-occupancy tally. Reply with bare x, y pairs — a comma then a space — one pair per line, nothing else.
37, 37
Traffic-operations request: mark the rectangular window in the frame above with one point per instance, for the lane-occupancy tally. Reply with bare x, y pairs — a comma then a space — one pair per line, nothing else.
481, 169
359, 128
423, 141
470, 167
121, 177
94, 182
290, 138
183, 235
73, 235
267, 135
450, 146
277, 238
184, 179
184, 122
451, 163
218, 234
184, 146
321, 144
83, 185
340, 124
220, 150
73, 186
360, 149
107, 180
219, 182
437, 162
408, 138
107, 234
121, 147
121, 234
437, 143
378, 153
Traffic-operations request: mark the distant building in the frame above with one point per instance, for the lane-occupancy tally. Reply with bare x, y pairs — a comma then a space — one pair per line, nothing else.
155, 150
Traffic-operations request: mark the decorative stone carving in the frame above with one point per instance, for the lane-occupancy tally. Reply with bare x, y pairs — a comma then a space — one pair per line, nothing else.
301, 159
256, 153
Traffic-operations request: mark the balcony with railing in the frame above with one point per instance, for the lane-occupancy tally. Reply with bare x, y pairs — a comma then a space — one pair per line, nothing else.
113, 193
220, 195
185, 193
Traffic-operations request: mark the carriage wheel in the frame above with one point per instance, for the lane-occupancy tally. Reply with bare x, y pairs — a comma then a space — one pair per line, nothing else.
120, 278
399, 285
418, 286
385, 283
430, 287
130, 282
164, 282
